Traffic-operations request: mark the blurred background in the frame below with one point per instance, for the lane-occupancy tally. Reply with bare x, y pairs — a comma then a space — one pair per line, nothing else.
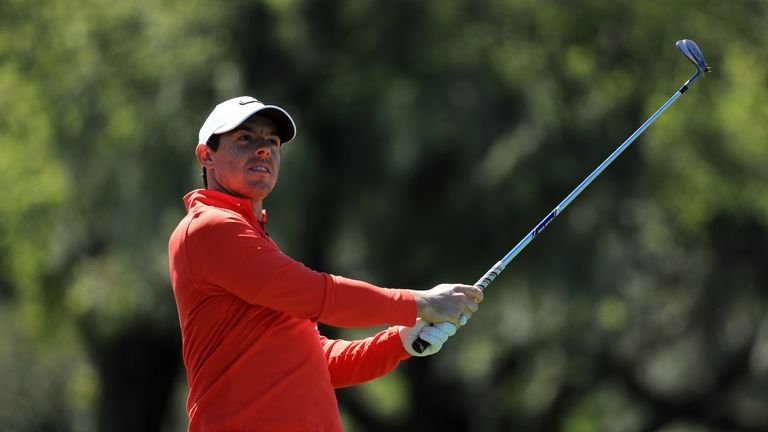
432, 137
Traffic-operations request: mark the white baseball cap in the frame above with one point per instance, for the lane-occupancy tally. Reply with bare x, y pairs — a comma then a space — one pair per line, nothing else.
233, 112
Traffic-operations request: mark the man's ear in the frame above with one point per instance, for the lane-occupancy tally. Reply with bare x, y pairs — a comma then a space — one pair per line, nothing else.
204, 155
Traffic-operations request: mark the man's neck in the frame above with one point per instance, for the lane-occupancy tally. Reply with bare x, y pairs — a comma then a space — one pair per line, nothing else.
256, 207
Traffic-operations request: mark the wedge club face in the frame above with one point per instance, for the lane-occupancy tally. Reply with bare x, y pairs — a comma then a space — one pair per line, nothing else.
692, 52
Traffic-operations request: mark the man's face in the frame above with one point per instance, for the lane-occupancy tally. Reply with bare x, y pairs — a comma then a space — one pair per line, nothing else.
247, 162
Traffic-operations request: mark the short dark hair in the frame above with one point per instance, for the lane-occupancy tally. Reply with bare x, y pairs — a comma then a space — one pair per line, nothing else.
213, 143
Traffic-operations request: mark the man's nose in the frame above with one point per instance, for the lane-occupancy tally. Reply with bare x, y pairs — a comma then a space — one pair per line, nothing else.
263, 149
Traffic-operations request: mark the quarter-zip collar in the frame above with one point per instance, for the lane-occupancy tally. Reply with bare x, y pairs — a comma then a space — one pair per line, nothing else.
208, 197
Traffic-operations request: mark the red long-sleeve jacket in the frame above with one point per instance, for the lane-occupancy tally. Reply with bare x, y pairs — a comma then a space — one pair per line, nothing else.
254, 357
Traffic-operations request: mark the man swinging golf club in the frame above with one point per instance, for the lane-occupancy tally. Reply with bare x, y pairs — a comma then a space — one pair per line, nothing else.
248, 313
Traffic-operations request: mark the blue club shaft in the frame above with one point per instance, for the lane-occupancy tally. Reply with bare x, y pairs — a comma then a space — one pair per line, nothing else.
494, 271
420, 345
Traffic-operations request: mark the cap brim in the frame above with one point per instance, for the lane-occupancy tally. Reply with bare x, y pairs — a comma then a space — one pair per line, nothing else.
286, 128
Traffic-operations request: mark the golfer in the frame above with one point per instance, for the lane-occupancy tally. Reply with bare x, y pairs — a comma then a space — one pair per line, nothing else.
248, 313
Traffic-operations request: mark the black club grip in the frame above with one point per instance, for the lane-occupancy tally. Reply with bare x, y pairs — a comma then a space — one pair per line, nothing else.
420, 345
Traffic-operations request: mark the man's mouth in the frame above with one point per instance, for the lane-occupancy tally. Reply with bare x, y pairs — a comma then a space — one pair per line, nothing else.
260, 168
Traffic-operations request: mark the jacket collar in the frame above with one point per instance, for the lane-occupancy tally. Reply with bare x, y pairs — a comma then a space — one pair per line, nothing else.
200, 198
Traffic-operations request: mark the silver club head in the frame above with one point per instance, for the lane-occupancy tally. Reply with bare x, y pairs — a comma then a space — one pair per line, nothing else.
692, 52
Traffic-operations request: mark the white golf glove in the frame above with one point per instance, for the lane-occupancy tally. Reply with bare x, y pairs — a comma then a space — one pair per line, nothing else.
435, 334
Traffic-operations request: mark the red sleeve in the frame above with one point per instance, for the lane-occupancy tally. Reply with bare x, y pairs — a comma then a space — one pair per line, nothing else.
226, 253
355, 362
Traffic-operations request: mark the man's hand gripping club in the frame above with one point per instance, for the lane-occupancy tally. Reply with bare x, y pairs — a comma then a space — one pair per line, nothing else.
448, 305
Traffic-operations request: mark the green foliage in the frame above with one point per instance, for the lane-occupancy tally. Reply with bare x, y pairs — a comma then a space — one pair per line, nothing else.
37, 191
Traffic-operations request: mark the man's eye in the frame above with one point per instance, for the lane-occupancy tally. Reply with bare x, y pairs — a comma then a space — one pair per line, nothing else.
273, 141
245, 138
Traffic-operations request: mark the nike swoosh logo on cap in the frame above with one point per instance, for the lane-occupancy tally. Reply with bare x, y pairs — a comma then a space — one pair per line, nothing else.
246, 103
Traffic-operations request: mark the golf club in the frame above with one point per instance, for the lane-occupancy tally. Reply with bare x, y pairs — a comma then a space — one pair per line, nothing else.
692, 53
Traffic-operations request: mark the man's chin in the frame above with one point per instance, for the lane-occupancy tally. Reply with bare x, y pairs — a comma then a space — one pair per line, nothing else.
259, 190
